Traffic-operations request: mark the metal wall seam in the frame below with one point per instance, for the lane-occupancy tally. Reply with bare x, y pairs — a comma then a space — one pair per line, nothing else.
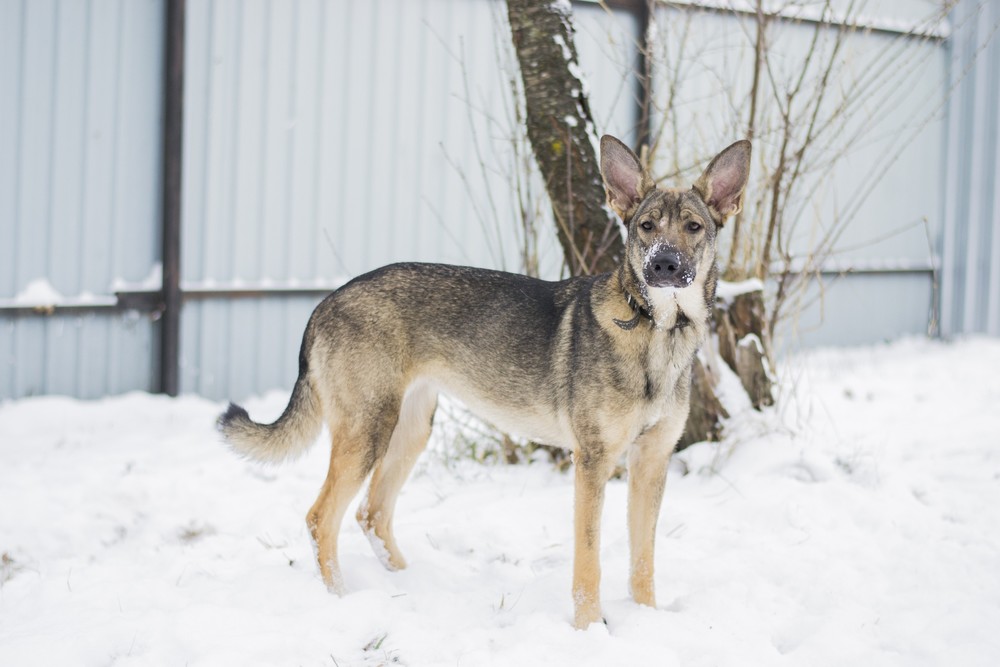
970, 294
952, 199
993, 281
993, 277
977, 98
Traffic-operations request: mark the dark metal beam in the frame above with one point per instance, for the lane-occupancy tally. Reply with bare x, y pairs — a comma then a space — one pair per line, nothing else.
142, 301
788, 15
644, 74
173, 126
205, 293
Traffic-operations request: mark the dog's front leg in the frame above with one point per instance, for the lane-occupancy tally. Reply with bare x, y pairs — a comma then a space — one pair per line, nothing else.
592, 473
647, 475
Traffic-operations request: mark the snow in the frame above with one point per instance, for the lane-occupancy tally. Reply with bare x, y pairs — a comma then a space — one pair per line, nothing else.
855, 523
38, 292
727, 291
564, 7
567, 54
41, 294
153, 282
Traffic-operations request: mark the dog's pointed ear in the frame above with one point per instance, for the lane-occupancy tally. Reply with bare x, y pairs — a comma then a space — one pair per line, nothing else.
625, 181
722, 185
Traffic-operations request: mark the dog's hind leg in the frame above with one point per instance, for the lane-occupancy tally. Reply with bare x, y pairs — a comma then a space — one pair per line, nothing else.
409, 439
357, 444
648, 459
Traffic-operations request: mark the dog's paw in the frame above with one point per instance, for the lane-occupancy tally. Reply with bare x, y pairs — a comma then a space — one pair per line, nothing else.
584, 618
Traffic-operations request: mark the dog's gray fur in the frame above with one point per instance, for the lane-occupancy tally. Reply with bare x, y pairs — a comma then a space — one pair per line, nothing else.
600, 365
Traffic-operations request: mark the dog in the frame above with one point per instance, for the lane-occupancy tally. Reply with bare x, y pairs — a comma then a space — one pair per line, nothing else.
600, 365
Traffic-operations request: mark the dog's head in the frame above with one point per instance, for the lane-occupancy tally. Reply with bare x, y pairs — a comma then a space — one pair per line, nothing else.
672, 233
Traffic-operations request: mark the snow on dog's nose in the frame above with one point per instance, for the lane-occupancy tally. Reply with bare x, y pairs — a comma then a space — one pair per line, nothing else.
665, 267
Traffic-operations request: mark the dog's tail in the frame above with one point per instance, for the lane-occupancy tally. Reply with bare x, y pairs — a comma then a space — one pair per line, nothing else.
289, 436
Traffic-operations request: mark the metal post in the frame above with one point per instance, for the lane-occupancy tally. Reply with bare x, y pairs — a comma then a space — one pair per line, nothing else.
173, 125
644, 70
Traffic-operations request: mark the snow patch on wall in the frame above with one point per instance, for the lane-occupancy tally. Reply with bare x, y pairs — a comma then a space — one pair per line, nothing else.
151, 283
39, 292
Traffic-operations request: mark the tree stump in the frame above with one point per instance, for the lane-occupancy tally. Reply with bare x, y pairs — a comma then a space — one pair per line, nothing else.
754, 370
704, 421
744, 343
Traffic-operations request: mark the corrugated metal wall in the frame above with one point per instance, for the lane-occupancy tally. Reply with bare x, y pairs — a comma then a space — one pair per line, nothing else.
79, 172
325, 139
970, 298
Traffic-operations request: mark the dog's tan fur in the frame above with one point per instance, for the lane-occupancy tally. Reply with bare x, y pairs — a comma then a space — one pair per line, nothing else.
599, 365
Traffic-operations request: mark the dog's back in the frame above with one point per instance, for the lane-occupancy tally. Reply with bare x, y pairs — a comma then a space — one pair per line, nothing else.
489, 338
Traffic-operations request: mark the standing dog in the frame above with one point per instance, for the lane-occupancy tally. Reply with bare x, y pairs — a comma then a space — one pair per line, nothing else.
599, 364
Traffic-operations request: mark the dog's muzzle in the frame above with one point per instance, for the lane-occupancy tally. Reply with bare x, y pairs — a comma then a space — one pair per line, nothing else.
665, 267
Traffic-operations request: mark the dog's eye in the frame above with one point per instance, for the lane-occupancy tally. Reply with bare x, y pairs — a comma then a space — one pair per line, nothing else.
693, 226
646, 224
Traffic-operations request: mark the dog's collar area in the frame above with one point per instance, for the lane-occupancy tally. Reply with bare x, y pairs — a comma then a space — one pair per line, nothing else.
642, 313
639, 313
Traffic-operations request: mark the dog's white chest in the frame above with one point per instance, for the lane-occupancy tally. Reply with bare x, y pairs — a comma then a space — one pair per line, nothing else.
668, 302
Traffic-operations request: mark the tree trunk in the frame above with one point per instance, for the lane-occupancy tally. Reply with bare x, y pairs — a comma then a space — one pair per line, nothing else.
745, 345
561, 132
704, 421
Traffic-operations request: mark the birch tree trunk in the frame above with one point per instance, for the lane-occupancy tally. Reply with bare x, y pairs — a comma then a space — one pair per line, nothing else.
562, 134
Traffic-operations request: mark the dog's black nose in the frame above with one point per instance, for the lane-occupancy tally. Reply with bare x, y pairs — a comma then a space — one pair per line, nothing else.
665, 268
668, 262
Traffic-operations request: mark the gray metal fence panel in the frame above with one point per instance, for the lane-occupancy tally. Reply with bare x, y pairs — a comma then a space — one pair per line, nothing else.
970, 298
325, 139
79, 137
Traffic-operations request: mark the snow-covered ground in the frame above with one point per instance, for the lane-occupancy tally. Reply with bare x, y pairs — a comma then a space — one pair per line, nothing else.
857, 524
